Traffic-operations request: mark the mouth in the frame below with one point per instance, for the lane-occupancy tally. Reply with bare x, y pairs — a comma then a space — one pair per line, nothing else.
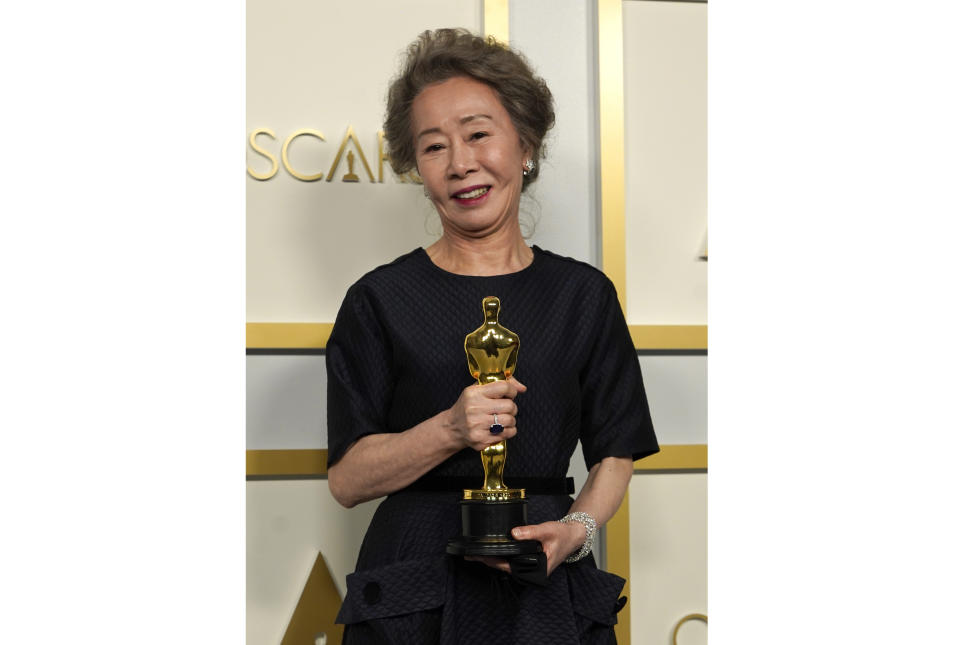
471, 195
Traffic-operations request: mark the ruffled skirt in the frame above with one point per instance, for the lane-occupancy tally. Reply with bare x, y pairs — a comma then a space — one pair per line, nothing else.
406, 590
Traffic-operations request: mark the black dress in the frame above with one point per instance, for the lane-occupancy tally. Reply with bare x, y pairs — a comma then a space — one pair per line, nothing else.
395, 358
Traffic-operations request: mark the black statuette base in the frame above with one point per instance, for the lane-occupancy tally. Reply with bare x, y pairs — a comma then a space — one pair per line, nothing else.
486, 529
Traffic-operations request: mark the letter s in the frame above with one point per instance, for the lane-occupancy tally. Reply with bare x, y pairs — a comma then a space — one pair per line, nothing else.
273, 160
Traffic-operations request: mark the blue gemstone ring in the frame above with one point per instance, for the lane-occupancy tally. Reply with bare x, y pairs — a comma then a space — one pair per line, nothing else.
495, 427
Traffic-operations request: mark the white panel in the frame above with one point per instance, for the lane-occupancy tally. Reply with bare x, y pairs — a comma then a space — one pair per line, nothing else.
668, 557
677, 391
286, 402
558, 39
665, 84
286, 406
287, 523
326, 66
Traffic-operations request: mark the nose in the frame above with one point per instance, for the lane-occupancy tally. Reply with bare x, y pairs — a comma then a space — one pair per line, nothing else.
462, 160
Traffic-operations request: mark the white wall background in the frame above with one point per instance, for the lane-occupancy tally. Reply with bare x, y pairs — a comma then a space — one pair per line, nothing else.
668, 557
287, 523
665, 93
286, 400
677, 390
558, 38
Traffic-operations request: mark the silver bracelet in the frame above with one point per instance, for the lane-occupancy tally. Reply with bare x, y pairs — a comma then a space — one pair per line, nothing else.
590, 524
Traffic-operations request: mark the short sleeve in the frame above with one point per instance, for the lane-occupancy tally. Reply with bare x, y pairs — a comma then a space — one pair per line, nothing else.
359, 383
615, 416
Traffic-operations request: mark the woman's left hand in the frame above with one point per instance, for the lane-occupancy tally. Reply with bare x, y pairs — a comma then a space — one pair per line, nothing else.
558, 540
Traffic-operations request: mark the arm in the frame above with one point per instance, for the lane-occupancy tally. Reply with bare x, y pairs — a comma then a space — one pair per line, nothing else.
602, 494
600, 497
379, 464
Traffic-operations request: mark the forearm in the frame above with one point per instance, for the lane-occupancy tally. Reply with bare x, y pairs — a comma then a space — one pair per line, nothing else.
379, 464
600, 496
604, 489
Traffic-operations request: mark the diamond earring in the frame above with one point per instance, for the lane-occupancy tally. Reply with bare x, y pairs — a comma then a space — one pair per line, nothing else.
528, 167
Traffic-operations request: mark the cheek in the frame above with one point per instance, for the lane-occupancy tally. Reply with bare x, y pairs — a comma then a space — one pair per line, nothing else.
504, 163
433, 178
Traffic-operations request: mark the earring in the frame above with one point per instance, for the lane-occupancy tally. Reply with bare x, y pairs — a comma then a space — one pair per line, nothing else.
528, 167
426, 193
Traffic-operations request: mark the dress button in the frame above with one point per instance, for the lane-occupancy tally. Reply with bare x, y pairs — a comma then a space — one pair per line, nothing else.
371, 593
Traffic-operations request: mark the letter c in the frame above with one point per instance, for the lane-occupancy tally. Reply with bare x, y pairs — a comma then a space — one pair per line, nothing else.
286, 160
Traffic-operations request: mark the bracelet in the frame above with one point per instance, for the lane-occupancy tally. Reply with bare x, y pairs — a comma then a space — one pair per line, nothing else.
590, 524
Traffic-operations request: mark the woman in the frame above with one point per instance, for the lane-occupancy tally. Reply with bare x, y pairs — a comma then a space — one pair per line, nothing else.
404, 420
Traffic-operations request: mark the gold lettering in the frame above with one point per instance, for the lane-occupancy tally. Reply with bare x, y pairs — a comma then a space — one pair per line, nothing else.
273, 160
314, 617
286, 160
343, 145
687, 618
381, 156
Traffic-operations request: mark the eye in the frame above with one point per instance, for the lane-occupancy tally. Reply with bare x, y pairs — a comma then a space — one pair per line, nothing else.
434, 147
478, 135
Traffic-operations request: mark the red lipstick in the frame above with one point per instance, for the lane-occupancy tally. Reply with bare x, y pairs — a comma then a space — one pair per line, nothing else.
476, 194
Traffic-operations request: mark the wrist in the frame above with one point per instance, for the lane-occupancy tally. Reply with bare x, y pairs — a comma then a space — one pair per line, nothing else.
576, 535
449, 436
589, 527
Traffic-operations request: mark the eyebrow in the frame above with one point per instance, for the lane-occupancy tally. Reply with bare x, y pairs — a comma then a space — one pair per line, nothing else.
466, 119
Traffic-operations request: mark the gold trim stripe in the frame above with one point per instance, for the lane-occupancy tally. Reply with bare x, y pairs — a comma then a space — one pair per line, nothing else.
496, 19
288, 335
675, 457
617, 548
669, 336
315, 336
612, 186
613, 241
286, 462
313, 463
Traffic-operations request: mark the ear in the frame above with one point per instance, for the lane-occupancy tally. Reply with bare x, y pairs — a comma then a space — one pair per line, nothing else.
526, 152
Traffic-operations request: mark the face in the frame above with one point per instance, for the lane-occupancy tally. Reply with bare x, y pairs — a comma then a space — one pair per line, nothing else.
469, 155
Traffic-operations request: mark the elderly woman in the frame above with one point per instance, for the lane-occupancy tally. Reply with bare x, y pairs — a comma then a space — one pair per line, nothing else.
404, 420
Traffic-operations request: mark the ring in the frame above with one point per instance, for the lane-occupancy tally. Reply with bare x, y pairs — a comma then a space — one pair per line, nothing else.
495, 427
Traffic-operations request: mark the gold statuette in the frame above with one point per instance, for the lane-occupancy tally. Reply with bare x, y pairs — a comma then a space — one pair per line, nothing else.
350, 177
492, 356
488, 515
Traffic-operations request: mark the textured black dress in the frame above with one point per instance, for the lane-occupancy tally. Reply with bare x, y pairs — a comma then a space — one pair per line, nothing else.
396, 358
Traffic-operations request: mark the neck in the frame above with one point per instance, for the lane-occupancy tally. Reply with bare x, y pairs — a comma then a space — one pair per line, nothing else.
493, 255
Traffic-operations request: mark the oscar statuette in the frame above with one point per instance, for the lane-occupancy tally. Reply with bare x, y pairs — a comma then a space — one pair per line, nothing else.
488, 514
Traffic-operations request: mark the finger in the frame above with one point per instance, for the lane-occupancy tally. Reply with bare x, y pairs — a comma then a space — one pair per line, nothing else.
498, 390
503, 389
484, 416
523, 533
505, 406
504, 419
482, 423
539, 532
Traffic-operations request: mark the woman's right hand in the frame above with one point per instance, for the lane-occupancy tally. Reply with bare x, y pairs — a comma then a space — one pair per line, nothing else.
472, 415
